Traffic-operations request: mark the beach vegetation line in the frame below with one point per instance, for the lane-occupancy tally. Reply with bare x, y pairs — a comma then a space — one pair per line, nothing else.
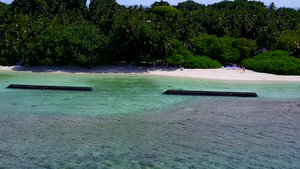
276, 62
67, 32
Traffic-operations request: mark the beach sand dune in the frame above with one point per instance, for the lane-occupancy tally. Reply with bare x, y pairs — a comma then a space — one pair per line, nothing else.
212, 74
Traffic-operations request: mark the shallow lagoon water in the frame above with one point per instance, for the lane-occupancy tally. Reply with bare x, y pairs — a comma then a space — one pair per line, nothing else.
126, 122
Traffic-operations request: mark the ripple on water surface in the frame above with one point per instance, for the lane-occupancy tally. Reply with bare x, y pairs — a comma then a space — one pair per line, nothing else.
127, 123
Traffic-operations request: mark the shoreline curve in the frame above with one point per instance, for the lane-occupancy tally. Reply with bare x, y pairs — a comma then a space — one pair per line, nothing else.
208, 74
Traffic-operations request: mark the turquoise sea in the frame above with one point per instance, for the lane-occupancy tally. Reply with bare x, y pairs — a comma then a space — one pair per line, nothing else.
127, 122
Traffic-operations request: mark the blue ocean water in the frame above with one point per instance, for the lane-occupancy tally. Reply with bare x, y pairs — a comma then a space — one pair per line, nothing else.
127, 122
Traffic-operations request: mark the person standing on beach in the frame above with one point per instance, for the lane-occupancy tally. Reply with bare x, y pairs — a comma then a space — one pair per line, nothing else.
243, 69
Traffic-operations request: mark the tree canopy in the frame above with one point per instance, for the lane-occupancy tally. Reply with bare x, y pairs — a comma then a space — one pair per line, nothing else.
61, 32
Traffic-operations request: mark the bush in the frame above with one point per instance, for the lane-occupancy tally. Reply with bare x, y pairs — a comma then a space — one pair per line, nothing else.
179, 54
289, 43
220, 49
176, 52
63, 45
202, 62
276, 62
224, 49
3, 62
175, 59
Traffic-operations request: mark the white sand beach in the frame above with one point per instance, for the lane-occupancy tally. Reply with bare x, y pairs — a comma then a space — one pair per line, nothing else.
212, 74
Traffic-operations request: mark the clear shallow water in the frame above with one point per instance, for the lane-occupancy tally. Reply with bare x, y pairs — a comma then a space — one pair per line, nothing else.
128, 123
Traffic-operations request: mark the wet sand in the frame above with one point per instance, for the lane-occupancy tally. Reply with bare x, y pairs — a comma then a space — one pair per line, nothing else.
212, 74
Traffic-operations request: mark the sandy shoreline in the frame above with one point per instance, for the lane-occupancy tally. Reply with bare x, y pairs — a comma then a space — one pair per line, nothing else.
211, 74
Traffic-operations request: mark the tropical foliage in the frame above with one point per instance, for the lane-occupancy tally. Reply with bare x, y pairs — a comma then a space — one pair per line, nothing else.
203, 62
61, 32
277, 62
63, 45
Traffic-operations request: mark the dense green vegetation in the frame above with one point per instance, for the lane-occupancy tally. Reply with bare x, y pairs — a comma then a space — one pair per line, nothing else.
62, 45
67, 32
277, 62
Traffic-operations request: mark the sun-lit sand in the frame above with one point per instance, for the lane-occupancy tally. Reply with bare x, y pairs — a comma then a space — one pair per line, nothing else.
130, 123
213, 74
